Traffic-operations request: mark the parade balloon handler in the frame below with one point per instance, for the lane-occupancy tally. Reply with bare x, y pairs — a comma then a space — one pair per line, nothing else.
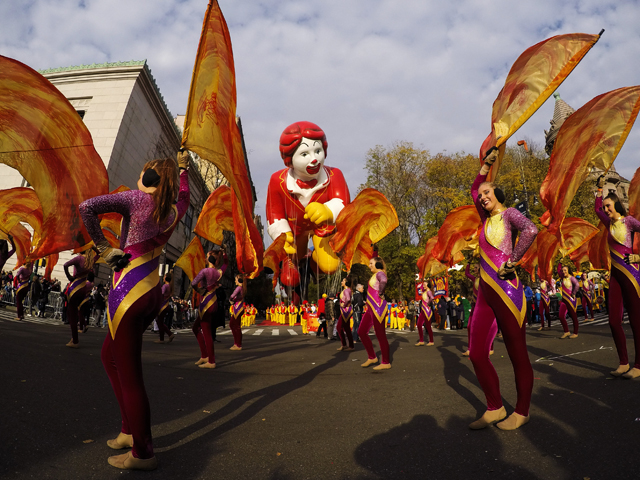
304, 200
624, 284
210, 277
500, 299
149, 218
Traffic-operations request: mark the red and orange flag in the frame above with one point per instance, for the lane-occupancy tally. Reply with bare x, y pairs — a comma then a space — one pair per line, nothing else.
274, 255
428, 265
211, 131
634, 205
366, 220
20, 205
216, 216
192, 259
534, 76
529, 260
44, 138
599, 249
591, 137
52, 261
22, 241
458, 232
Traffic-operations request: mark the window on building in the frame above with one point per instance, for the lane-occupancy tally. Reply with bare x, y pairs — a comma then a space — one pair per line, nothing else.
188, 217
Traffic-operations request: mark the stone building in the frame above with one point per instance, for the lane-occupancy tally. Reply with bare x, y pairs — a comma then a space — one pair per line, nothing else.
614, 183
130, 123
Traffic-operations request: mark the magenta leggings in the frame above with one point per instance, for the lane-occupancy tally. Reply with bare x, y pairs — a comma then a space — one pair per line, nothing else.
344, 332
422, 320
122, 361
623, 292
202, 330
367, 321
543, 309
19, 299
564, 308
73, 314
489, 313
469, 330
587, 302
236, 330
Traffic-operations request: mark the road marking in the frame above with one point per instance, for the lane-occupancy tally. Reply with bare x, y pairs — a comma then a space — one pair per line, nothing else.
543, 359
245, 330
292, 332
258, 331
226, 332
275, 331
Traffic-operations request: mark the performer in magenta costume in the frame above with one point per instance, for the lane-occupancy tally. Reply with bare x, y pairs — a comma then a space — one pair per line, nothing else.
21, 284
500, 298
149, 218
375, 315
84, 309
475, 278
543, 308
5, 253
624, 286
346, 312
211, 277
426, 312
570, 288
82, 267
166, 312
237, 305
305, 199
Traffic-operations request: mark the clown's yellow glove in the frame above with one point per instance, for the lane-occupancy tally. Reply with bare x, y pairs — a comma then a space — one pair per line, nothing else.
289, 245
318, 213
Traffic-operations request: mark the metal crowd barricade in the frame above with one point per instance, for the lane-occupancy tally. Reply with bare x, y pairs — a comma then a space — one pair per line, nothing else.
55, 304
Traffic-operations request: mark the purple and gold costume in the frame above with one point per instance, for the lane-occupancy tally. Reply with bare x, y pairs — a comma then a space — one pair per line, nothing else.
543, 308
208, 305
586, 297
501, 302
624, 287
375, 316
237, 302
77, 292
344, 322
570, 288
135, 298
21, 282
426, 313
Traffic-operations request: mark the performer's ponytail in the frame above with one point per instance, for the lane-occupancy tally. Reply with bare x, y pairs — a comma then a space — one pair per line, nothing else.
166, 189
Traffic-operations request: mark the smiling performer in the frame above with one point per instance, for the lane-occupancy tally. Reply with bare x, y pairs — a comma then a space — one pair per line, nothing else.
375, 315
149, 219
346, 312
624, 286
426, 313
570, 288
500, 295
305, 198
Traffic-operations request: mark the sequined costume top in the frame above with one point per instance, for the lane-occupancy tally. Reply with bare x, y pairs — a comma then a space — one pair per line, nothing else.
166, 296
544, 292
375, 301
346, 309
506, 235
140, 236
79, 278
237, 301
426, 300
570, 284
21, 278
211, 277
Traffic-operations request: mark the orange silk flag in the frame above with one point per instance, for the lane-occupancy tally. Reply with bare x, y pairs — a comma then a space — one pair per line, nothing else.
580, 255
529, 260
20, 205
634, 205
427, 264
216, 216
274, 255
534, 76
599, 249
44, 138
458, 232
591, 137
52, 261
369, 218
575, 232
192, 259
211, 131
22, 240
547, 248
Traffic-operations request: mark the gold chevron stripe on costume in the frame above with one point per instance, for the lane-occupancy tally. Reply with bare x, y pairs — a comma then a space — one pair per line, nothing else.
204, 308
520, 315
617, 263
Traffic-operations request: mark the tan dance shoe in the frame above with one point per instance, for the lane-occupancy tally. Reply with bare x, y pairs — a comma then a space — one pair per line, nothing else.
159, 341
419, 344
370, 361
540, 329
348, 349
127, 461
633, 373
202, 360
565, 335
208, 365
514, 421
235, 348
430, 344
489, 418
621, 370
573, 335
341, 348
491, 352
123, 440
466, 354
72, 345
383, 366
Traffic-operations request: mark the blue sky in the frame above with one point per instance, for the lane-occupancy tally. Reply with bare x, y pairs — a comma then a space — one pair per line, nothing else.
369, 72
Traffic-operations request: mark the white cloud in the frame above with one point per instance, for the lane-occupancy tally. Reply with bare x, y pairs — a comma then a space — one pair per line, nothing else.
368, 72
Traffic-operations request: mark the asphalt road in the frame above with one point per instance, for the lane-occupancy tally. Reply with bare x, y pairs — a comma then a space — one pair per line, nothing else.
290, 406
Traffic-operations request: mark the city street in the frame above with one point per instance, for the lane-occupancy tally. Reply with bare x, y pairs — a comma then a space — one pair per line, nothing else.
290, 406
